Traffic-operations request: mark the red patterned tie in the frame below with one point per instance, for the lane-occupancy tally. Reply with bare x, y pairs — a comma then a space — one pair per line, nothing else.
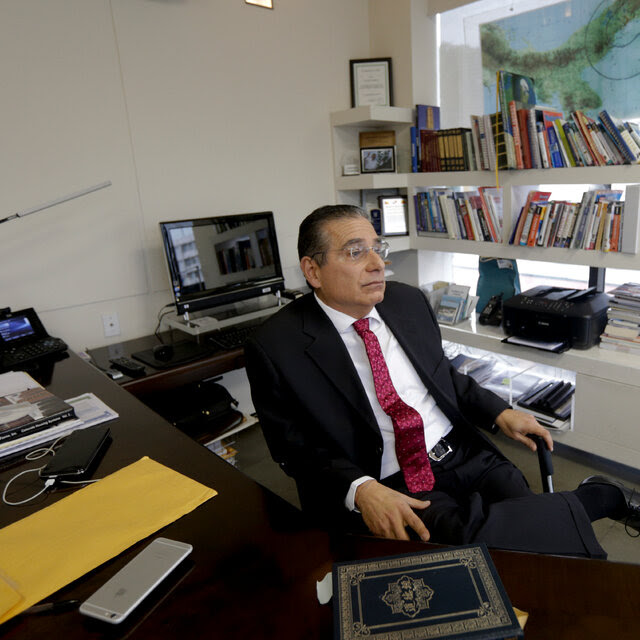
407, 423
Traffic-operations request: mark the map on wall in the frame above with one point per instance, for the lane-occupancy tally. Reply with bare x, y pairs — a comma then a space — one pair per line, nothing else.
582, 54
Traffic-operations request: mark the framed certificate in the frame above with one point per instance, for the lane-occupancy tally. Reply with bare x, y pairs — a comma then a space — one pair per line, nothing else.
371, 82
394, 215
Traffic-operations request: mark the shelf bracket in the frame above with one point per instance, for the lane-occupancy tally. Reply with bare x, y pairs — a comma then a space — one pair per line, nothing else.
596, 278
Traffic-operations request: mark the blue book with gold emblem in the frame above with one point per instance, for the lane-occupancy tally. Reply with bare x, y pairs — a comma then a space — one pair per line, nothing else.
453, 593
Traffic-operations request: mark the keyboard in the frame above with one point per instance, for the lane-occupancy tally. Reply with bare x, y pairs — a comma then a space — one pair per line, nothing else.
31, 351
233, 336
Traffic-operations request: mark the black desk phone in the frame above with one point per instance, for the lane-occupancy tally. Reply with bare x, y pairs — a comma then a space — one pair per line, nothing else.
492, 313
24, 340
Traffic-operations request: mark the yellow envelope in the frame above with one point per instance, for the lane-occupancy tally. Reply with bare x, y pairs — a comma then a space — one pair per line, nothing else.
49, 549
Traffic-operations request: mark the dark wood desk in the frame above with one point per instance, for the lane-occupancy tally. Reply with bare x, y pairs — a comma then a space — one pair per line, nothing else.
255, 563
166, 388
157, 380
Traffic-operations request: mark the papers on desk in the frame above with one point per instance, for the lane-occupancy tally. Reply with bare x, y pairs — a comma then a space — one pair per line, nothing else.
89, 409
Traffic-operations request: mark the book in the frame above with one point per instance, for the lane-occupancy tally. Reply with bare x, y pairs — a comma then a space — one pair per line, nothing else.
616, 329
449, 309
554, 147
26, 407
515, 92
492, 197
582, 123
454, 592
486, 123
90, 411
377, 139
415, 160
523, 129
479, 143
629, 291
427, 118
429, 152
451, 149
619, 347
565, 148
434, 292
534, 142
629, 226
499, 141
544, 118
518, 231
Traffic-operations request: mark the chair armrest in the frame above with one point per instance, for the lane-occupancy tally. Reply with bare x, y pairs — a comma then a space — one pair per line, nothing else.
545, 462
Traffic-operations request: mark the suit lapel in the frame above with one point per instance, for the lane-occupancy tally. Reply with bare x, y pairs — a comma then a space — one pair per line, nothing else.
328, 352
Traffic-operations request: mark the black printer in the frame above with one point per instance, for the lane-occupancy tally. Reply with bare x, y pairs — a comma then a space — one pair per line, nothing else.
554, 314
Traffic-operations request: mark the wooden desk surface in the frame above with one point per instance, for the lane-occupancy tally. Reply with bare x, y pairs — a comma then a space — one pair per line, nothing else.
157, 380
255, 562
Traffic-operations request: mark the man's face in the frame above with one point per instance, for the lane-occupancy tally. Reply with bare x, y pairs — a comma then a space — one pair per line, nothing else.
351, 286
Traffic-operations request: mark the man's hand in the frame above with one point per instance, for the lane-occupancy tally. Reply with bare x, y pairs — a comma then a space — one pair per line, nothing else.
518, 424
387, 513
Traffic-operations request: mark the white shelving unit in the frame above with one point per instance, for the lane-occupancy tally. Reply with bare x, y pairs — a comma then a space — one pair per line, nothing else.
607, 383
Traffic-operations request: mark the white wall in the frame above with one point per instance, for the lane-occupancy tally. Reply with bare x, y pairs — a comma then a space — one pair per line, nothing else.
190, 108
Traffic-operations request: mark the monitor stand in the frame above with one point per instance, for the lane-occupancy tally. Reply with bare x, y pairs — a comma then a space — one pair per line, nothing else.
240, 312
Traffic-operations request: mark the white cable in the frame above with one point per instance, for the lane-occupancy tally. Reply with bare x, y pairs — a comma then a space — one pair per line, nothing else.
36, 455
47, 484
40, 453
79, 481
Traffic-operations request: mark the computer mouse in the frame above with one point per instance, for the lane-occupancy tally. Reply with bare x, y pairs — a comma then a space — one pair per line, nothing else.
163, 352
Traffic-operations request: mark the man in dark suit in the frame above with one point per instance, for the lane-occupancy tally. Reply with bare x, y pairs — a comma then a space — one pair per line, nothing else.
316, 388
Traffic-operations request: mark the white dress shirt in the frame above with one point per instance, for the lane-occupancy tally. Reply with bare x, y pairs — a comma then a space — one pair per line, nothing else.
406, 381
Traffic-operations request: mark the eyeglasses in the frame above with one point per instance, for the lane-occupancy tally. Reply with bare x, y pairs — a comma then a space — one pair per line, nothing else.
357, 252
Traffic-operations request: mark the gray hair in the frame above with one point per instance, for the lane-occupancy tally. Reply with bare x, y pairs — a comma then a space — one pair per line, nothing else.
312, 235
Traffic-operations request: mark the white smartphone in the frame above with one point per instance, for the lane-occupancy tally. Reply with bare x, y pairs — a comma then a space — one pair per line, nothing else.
120, 595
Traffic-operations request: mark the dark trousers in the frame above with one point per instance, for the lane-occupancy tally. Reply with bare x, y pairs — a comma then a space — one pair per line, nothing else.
481, 497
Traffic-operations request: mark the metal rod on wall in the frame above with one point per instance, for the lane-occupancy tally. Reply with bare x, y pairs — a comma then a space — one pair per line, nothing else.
53, 203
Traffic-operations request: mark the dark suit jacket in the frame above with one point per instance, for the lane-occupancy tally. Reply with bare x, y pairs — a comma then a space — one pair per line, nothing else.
313, 409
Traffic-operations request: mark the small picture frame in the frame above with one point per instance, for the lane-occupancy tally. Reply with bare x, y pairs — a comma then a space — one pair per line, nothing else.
393, 215
378, 160
371, 82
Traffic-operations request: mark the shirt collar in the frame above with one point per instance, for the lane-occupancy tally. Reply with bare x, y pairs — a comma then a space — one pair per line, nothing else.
344, 322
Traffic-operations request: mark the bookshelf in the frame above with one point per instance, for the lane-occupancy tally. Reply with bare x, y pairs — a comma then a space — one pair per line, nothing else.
607, 383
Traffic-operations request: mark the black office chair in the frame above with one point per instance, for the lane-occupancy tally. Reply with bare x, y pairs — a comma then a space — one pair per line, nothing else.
546, 464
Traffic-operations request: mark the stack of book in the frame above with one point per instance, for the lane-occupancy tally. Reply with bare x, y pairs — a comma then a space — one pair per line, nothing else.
622, 332
469, 215
455, 304
600, 222
447, 150
30, 415
27, 408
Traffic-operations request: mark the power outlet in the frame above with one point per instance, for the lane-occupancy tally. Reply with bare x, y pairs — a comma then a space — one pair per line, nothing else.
111, 324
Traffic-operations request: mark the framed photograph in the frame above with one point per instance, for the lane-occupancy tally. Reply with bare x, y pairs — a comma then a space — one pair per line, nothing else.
371, 82
377, 159
393, 215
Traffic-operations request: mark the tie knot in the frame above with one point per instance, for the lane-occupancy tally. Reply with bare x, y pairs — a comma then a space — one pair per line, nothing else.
361, 326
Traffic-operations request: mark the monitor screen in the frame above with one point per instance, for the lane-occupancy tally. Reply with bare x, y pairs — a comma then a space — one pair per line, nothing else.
223, 259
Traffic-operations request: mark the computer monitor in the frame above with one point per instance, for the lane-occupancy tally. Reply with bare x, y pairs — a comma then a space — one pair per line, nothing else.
219, 260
